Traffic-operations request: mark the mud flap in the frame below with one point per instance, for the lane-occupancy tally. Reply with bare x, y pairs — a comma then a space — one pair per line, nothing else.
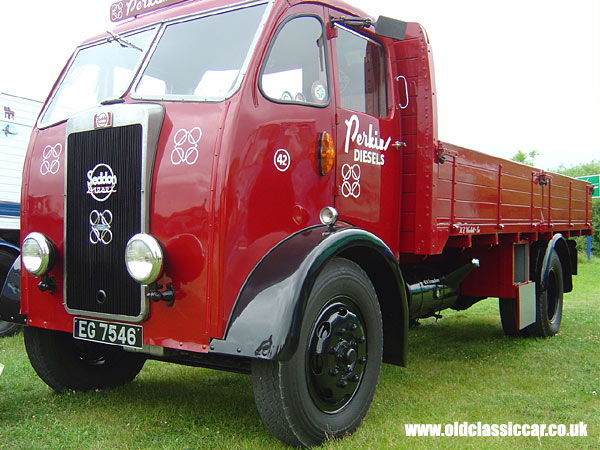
525, 304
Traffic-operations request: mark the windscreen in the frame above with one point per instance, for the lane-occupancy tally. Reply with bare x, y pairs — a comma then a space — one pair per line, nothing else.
100, 72
201, 59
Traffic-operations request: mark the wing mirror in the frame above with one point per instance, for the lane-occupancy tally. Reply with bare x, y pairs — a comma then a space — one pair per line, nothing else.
392, 28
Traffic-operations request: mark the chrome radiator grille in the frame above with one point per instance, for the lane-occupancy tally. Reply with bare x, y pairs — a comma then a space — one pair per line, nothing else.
103, 210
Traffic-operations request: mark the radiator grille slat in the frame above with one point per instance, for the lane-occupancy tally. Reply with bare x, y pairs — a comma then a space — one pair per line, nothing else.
97, 229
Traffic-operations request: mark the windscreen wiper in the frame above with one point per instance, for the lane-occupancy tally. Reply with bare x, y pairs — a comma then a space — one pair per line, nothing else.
122, 42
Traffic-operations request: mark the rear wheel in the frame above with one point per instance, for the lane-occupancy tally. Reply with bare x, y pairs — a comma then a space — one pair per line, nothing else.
508, 316
548, 305
326, 388
65, 363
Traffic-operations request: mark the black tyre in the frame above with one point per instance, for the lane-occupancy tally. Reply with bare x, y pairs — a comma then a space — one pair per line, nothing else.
326, 388
7, 258
8, 328
549, 304
65, 363
508, 317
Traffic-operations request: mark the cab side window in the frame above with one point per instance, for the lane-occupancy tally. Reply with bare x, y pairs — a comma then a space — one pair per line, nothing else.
295, 70
361, 73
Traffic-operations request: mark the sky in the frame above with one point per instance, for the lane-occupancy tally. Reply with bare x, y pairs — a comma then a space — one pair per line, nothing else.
510, 75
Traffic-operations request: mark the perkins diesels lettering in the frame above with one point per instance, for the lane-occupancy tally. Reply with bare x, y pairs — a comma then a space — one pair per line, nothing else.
370, 140
101, 182
367, 157
143, 5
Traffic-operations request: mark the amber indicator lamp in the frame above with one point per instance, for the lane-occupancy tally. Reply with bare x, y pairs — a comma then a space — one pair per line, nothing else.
326, 153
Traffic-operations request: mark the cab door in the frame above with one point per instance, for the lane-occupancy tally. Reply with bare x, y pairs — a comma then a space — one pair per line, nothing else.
272, 185
368, 133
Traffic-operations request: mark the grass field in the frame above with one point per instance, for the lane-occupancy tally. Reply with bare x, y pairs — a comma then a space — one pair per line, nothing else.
460, 369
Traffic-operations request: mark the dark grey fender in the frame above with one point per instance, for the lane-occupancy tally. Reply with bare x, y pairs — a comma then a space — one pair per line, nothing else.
10, 299
266, 319
559, 244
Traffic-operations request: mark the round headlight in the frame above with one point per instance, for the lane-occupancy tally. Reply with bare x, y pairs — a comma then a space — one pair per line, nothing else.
144, 258
328, 216
37, 254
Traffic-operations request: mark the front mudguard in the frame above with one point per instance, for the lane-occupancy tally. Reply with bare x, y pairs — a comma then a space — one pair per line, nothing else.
10, 298
267, 316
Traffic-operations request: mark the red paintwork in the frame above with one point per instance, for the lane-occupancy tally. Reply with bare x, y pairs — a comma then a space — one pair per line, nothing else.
218, 218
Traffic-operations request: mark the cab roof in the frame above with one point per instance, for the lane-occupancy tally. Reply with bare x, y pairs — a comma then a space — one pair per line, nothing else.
191, 7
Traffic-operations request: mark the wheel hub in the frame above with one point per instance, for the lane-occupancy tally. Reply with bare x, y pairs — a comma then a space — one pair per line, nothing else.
337, 357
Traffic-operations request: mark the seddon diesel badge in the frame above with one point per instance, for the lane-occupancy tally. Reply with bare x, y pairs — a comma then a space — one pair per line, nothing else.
258, 186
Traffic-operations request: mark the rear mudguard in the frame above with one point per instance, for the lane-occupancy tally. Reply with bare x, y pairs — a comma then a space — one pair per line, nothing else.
10, 299
540, 254
560, 245
267, 316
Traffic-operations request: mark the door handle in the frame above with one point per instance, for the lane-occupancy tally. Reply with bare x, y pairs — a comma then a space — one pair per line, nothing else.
403, 78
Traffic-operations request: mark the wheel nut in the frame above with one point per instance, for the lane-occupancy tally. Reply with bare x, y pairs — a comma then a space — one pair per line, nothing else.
333, 372
341, 384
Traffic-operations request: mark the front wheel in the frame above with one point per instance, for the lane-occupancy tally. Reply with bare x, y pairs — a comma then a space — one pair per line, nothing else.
65, 363
326, 388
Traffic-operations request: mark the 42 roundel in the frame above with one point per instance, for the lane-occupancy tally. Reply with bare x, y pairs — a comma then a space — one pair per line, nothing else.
282, 160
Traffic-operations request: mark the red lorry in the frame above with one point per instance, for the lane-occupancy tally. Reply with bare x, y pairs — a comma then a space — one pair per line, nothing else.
258, 186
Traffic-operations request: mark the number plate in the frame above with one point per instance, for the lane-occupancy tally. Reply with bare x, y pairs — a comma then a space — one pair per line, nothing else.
108, 332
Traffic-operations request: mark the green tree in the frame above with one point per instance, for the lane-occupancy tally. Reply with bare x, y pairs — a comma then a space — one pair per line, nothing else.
580, 170
525, 158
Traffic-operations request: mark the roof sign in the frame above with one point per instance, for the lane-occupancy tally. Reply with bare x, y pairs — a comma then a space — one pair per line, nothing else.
125, 9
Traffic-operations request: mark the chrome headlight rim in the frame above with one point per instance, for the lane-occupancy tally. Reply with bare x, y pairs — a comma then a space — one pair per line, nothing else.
46, 250
156, 258
328, 216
